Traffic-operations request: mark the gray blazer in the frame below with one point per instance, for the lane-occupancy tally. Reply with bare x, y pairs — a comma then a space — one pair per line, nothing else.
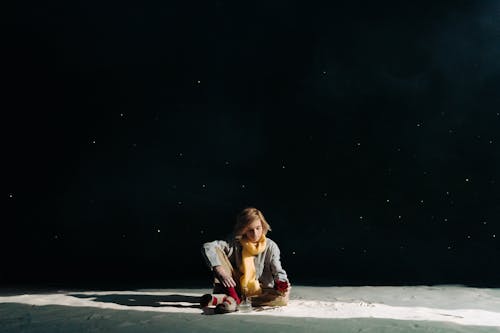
267, 264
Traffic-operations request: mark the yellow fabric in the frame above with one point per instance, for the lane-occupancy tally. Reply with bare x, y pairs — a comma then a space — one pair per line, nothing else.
250, 286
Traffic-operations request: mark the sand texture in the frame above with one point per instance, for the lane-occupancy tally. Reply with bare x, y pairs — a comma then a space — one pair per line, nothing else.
312, 309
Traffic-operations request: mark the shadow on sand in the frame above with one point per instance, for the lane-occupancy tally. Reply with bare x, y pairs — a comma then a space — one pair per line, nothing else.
145, 300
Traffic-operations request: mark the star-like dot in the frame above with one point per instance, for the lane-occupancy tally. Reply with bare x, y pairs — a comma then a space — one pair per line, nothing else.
466, 179
293, 252
179, 202
387, 200
361, 217
202, 232
11, 195
494, 236
204, 186
242, 185
325, 194
121, 115
93, 141
421, 201
198, 81
418, 124
282, 166
158, 230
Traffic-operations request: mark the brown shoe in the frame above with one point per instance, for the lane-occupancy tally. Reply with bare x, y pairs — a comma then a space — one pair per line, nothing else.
229, 305
205, 300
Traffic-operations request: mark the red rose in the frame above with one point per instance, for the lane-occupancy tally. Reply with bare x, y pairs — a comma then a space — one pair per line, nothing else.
281, 286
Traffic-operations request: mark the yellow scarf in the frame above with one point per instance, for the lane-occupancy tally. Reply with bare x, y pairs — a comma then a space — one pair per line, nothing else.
249, 284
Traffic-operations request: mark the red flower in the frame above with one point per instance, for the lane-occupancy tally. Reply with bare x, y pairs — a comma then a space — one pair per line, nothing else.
281, 286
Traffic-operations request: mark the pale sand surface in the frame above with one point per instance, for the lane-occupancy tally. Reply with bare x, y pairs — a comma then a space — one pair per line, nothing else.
315, 309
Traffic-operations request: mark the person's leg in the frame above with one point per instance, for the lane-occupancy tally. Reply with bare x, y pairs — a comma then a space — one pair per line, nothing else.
225, 299
218, 287
228, 267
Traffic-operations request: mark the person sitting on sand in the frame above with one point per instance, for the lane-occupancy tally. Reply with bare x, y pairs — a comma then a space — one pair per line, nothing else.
246, 266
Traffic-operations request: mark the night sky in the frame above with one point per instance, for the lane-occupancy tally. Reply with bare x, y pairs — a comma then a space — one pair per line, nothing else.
367, 132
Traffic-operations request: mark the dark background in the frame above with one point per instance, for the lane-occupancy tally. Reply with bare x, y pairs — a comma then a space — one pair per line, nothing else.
366, 132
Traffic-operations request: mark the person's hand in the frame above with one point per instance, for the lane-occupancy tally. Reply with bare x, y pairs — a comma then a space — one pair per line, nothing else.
224, 277
281, 286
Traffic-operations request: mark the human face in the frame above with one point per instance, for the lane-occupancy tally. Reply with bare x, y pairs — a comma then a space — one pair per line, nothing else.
254, 231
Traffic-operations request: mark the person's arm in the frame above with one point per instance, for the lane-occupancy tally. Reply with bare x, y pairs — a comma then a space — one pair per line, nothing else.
276, 269
209, 251
281, 282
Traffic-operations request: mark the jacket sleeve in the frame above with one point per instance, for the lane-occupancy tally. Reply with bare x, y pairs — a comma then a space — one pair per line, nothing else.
276, 268
209, 253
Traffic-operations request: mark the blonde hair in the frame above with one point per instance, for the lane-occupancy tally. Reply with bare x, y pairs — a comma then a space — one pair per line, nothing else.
247, 216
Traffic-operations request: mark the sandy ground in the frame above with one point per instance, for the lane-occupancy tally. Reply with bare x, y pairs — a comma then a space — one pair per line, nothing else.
313, 309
